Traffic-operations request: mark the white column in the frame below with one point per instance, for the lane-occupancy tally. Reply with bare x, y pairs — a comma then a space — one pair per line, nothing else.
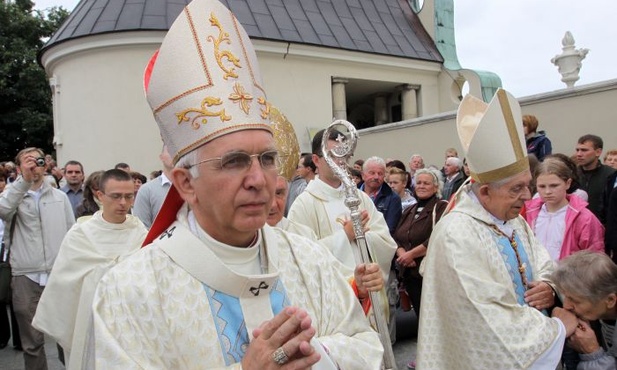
339, 102
409, 101
381, 108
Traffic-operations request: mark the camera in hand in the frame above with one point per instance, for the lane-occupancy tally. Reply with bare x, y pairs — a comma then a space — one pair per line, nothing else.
40, 162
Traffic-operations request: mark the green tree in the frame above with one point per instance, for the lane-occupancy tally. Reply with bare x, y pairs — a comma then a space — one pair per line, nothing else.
25, 97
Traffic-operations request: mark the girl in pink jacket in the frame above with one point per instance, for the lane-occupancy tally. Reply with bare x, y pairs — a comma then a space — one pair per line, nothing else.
561, 221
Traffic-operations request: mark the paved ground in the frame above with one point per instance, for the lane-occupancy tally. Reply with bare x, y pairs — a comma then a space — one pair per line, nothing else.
404, 348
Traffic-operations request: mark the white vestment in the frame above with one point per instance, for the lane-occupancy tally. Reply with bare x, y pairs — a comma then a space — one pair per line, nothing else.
321, 207
296, 228
87, 252
176, 305
471, 315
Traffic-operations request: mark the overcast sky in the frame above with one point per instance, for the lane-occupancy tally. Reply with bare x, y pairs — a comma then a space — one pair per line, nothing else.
517, 39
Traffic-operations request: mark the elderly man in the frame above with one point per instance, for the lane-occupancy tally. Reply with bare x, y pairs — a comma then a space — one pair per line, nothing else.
219, 288
89, 249
486, 278
386, 201
415, 163
276, 215
454, 177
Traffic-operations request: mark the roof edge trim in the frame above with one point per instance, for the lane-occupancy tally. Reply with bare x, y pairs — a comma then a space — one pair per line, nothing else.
50, 56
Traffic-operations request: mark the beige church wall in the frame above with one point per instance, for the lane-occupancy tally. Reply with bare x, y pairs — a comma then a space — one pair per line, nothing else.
298, 80
427, 136
101, 116
590, 109
565, 114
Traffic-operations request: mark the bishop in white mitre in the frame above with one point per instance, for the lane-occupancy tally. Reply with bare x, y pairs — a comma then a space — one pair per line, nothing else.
217, 288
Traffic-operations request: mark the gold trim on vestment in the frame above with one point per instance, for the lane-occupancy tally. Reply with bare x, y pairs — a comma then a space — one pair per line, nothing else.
510, 124
221, 132
202, 113
502, 173
219, 54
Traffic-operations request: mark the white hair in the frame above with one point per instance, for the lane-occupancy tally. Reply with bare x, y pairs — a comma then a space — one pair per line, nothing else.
377, 160
455, 161
188, 161
435, 174
475, 186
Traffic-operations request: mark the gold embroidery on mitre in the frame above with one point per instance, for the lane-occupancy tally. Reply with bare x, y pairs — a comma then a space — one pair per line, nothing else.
220, 54
203, 113
265, 112
240, 95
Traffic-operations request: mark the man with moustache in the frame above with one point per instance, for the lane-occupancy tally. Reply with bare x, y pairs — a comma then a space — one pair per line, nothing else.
386, 201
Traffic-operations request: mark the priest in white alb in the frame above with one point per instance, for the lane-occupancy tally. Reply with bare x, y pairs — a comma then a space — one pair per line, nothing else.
487, 282
88, 251
322, 208
217, 288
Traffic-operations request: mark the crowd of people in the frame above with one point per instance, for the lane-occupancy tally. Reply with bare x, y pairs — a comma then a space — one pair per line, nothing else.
220, 261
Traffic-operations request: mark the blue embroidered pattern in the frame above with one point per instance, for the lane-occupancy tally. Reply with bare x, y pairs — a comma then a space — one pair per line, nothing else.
509, 258
229, 320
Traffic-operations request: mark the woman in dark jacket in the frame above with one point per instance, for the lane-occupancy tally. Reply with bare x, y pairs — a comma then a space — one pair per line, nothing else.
537, 142
414, 229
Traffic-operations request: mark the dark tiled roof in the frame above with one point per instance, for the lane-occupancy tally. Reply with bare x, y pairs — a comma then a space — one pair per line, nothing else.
386, 27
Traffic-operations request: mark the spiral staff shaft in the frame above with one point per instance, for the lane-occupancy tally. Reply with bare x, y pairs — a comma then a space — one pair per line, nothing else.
336, 158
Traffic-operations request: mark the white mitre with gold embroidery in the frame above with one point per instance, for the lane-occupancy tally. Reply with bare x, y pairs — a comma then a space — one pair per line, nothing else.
492, 137
205, 81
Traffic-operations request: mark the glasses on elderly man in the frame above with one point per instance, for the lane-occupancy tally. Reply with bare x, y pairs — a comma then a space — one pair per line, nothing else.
238, 161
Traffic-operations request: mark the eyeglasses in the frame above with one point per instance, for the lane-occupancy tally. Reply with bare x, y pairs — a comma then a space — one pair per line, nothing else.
116, 197
239, 161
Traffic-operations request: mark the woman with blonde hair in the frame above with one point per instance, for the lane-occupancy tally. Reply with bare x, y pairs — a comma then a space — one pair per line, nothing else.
610, 159
561, 221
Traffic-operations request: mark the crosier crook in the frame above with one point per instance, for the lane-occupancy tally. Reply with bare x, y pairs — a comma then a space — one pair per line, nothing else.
336, 158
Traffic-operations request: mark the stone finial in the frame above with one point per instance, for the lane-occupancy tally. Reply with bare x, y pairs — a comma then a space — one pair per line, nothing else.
569, 62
